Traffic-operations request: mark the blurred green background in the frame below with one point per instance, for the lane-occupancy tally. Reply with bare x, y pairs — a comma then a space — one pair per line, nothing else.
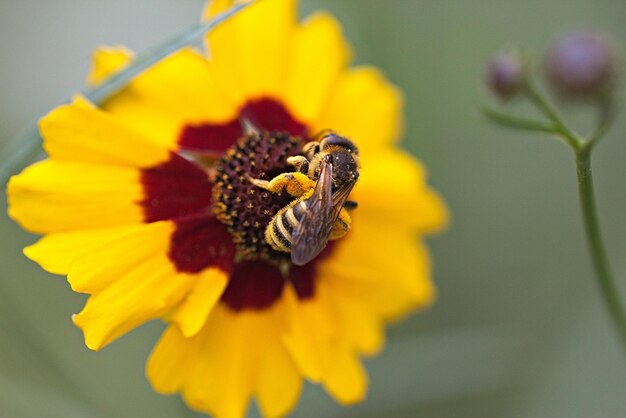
519, 329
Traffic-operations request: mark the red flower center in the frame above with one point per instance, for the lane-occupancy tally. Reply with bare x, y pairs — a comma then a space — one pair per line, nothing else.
221, 218
244, 208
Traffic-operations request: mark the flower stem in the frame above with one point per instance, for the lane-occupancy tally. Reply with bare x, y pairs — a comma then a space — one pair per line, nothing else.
596, 246
582, 148
538, 99
524, 124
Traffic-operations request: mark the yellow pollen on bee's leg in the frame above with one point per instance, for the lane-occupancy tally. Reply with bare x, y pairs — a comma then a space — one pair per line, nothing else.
341, 226
264, 184
296, 184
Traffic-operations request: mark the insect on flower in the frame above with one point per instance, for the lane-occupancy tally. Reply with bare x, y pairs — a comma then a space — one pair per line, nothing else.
321, 185
159, 204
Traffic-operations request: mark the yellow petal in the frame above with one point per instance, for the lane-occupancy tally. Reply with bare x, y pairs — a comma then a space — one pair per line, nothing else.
130, 279
249, 53
278, 383
361, 326
56, 252
234, 356
172, 358
321, 347
392, 187
76, 132
59, 196
160, 102
319, 54
312, 325
346, 379
192, 313
107, 61
219, 382
394, 280
365, 107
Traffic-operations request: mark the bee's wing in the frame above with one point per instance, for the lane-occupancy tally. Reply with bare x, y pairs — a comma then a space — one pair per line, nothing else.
339, 198
323, 208
311, 235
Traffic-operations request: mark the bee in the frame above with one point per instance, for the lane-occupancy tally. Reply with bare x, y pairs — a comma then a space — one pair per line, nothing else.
321, 183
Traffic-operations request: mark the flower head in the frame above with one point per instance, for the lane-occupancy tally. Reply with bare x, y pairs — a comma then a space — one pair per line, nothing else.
152, 205
582, 64
506, 74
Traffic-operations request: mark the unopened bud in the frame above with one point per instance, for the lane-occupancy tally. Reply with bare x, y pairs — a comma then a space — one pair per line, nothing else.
581, 64
507, 74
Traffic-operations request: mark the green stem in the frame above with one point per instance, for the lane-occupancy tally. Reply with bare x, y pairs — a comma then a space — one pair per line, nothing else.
27, 145
582, 148
512, 121
118, 81
607, 112
571, 137
596, 246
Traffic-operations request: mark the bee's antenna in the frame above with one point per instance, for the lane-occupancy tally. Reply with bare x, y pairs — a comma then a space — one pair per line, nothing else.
322, 134
248, 127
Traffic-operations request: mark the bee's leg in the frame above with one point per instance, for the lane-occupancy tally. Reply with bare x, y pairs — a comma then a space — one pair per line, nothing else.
350, 204
296, 184
300, 163
310, 149
341, 226
263, 184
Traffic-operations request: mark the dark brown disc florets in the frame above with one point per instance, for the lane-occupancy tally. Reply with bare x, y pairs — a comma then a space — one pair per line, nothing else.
244, 208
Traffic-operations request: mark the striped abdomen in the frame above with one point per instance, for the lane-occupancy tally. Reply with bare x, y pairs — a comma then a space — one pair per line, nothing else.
280, 229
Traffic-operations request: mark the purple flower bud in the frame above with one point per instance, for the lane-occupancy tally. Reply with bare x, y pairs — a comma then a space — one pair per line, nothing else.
506, 74
581, 64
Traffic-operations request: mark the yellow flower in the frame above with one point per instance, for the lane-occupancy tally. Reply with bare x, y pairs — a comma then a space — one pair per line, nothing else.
127, 207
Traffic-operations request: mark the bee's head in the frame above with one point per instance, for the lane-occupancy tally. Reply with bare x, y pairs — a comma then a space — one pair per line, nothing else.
343, 155
345, 165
